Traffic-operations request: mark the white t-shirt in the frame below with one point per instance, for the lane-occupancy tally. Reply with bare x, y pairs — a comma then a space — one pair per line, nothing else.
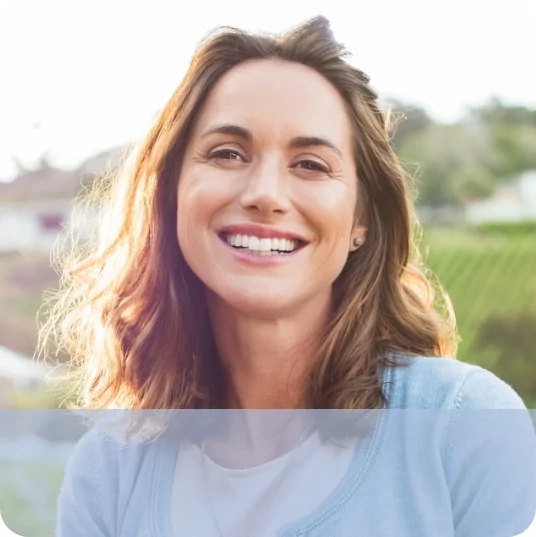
300, 480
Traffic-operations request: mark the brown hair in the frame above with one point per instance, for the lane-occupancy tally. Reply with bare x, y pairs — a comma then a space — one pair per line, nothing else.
131, 313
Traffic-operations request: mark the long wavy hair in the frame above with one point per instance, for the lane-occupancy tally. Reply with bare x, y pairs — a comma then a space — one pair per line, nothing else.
131, 314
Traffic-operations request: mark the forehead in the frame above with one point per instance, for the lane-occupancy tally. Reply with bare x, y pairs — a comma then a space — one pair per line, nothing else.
275, 98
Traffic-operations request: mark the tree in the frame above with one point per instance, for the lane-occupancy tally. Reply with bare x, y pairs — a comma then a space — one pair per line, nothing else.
515, 149
497, 112
409, 119
453, 164
512, 131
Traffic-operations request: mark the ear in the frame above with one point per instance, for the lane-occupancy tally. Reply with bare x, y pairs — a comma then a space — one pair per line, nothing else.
357, 237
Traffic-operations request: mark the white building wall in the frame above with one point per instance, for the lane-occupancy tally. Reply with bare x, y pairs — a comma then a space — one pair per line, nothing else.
22, 230
518, 205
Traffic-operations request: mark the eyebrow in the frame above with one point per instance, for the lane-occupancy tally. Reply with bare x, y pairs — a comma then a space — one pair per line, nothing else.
314, 141
296, 143
232, 130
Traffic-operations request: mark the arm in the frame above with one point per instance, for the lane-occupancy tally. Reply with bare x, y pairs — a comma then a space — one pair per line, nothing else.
491, 460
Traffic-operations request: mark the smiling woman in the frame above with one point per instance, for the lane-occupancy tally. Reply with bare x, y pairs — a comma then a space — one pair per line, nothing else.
259, 254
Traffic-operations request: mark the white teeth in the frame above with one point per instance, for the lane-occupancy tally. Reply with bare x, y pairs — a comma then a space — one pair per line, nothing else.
265, 245
254, 243
262, 245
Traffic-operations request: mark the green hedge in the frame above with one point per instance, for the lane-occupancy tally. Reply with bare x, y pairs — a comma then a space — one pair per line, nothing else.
523, 228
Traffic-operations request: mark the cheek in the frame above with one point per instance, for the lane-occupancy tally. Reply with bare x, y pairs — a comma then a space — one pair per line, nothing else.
330, 208
190, 208
199, 200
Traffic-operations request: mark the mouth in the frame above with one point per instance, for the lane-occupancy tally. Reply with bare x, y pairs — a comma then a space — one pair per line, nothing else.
262, 246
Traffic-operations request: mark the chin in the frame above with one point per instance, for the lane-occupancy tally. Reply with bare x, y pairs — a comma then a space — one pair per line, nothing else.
256, 303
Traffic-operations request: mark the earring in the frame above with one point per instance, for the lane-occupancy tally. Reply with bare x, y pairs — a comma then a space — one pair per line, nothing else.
357, 242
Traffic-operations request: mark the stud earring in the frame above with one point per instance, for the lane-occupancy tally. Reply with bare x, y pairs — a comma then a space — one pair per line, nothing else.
357, 242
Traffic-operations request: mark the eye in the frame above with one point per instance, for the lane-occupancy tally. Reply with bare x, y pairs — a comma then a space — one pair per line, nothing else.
225, 154
312, 166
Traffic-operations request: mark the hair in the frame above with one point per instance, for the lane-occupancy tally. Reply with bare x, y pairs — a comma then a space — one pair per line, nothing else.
131, 314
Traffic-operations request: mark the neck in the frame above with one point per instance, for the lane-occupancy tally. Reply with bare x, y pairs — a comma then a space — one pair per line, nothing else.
266, 361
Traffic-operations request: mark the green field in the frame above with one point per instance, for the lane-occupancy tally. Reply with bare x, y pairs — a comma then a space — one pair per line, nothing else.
491, 281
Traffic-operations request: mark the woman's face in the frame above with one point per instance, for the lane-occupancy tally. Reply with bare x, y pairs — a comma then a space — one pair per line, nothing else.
267, 191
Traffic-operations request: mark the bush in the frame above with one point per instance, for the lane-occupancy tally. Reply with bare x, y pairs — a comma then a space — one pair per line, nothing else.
522, 229
511, 339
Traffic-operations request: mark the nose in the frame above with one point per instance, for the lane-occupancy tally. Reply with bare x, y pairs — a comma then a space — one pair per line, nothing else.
265, 190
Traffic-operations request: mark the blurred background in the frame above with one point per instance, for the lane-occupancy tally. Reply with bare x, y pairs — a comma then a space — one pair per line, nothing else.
83, 80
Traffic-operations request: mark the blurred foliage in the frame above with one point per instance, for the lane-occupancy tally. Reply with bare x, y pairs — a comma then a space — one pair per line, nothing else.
515, 148
510, 337
408, 119
496, 112
491, 279
39, 398
454, 164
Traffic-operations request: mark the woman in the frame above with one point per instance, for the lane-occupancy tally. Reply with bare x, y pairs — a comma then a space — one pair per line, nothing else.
259, 255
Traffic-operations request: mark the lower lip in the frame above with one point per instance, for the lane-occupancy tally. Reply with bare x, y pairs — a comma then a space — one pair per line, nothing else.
263, 260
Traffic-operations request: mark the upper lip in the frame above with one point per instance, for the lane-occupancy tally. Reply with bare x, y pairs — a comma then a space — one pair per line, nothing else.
261, 231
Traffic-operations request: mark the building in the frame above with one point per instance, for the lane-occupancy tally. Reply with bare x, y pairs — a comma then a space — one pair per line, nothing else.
32, 225
38, 204
513, 201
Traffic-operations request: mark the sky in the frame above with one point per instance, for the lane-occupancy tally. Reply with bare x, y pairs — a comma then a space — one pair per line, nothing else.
81, 76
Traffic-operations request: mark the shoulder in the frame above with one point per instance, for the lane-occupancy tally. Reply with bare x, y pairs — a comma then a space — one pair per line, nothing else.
104, 451
445, 383
488, 445
101, 474
96, 455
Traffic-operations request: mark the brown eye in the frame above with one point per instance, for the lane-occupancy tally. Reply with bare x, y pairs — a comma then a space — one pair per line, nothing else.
226, 154
312, 166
